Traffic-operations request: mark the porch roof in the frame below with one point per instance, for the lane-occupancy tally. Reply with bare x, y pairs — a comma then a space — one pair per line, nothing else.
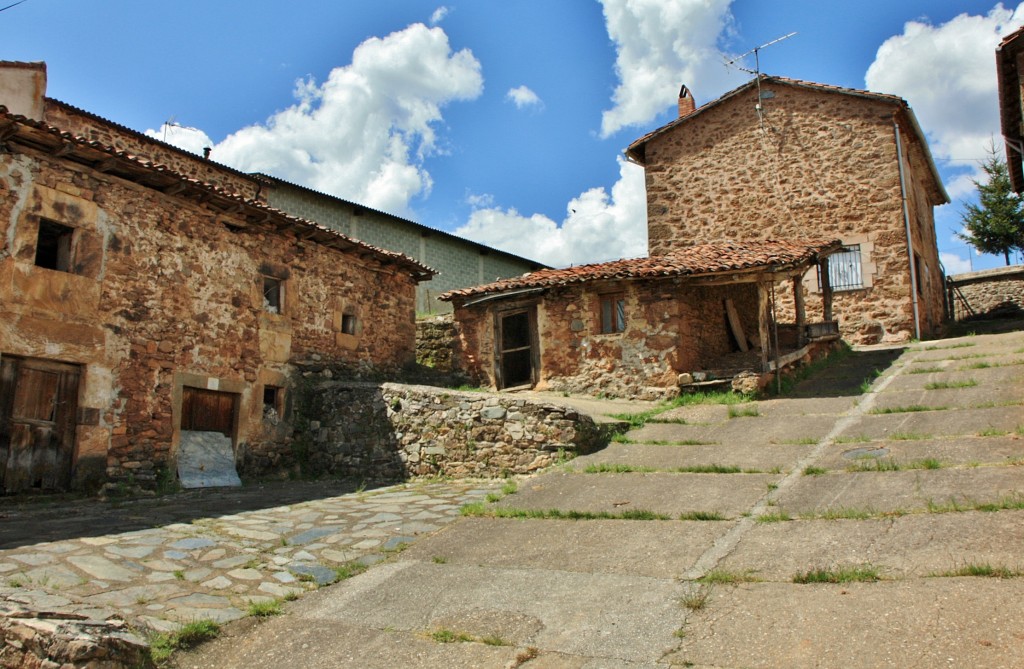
734, 258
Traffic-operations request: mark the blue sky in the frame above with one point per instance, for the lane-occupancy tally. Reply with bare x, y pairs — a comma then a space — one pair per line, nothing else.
502, 121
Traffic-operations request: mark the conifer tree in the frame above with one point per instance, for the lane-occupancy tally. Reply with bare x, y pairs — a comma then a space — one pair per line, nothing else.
996, 224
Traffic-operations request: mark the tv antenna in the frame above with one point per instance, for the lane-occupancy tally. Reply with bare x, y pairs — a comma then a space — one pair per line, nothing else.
757, 59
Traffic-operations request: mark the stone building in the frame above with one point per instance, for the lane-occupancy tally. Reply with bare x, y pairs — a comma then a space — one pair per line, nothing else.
1010, 77
643, 327
779, 158
460, 263
148, 295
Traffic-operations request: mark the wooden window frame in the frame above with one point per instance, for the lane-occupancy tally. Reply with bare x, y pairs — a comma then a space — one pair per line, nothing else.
611, 313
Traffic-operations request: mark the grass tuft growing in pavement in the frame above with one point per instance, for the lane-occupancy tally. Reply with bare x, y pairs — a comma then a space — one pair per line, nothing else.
910, 408
814, 471
779, 516
945, 385
931, 369
189, 635
983, 569
701, 515
444, 635
726, 577
854, 574
265, 609
349, 569
743, 412
479, 510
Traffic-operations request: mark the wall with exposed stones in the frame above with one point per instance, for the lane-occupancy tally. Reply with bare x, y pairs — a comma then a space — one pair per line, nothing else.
670, 328
987, 293
31, 641
162, 295
824, 166
435, 342
393, 431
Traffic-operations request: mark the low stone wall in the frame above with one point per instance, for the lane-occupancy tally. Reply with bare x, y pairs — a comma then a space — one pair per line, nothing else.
987, 293
51, 641
435, 342
392, 431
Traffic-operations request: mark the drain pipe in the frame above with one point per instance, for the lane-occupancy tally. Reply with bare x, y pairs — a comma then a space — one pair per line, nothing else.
906, 223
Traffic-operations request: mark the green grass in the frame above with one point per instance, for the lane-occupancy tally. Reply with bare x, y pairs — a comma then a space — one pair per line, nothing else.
265, 609
1009, 503
925, 370
946, 385
711, 397
977, 365
448, 636
910, 408
803, 441
493, 640
743, 412
853, 439
909, 436
440, 559
349, 569
944, 348
814, 471
726, 577
701, 515
189, 635
843, 513
983, 569
616, 468
853, 574
779, 516
558, 514
697, 600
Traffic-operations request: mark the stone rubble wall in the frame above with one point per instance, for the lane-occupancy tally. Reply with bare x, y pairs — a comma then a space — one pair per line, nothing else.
988, 292
435, 342
52, 641
392, 431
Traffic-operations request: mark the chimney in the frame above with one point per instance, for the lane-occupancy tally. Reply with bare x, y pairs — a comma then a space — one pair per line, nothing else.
22, 88
686, 103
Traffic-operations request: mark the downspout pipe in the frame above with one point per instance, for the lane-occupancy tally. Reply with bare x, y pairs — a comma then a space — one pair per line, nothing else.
906, 223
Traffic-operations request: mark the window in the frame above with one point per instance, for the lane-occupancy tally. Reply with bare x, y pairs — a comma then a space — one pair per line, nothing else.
273, 295
844, 270
271, 402
613, 313
348, 324
53, 247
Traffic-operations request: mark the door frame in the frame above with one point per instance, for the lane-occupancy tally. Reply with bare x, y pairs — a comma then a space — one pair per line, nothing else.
530, 309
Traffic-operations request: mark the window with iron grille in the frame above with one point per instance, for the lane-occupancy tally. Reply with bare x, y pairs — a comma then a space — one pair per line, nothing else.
844, 271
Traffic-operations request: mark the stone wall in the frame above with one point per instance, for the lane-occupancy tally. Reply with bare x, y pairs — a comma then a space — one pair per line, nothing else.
460, 263
435, 342
987, 293
163, 296
390, 431
670, 328
52, 641
824, 166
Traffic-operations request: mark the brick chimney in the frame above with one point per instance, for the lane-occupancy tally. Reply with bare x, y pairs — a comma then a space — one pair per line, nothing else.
686, 103
22, 88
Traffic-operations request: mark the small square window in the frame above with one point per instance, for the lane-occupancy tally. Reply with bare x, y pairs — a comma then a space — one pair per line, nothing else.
273, 295
844, 271
53, 246
348, 324
613, 313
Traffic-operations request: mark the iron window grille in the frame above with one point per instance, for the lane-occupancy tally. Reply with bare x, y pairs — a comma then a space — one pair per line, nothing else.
844, 269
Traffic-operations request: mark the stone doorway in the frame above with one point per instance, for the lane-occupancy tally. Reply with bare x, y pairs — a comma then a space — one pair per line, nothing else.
517, 349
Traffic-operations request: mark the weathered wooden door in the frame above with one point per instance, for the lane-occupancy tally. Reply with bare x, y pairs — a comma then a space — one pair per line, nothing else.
516, 353
208, 411
38, 405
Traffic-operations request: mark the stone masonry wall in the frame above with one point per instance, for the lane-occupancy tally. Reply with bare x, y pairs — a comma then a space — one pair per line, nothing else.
392, 431
825, 166
435, 342
164, 295
992, 292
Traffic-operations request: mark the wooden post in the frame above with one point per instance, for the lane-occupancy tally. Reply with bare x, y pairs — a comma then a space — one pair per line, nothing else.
826, 290
763, 321
801, 316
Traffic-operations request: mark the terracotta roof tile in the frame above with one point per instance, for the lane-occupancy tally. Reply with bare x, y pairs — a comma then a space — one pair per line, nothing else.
702, 259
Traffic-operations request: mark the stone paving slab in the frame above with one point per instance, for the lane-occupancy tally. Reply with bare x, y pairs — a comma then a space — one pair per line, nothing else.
630, 618
916, 624
905, 491
916, 545
1005, 449
743, 431
659, 549
670, 494
978, 396
938, 423
992, 377
763, 458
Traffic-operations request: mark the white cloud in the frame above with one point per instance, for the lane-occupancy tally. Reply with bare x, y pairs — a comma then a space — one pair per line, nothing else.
948, 75
660, 45
438, 15
522, 96
954, 264
598, 225
479, 201
363, 133
183, 137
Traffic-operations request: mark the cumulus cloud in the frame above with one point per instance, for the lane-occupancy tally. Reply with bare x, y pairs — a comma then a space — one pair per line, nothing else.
598, 226
947, 73
522, 96
954, 264
661, 44
183, 137
363, 133
438, 15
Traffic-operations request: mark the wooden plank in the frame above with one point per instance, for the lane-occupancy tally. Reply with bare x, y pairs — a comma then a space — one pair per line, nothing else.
735, 325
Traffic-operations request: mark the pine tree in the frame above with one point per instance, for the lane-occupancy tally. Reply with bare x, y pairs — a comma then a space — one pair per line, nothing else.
996, 224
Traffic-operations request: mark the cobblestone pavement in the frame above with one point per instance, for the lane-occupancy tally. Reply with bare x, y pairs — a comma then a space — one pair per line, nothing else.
208, 567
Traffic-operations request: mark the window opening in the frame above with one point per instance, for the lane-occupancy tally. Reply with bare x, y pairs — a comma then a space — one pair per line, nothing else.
613, 314
271, 402
272, 295
844, 269
348, 324
53, 247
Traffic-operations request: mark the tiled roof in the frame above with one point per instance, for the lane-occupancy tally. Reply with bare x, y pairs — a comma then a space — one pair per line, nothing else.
28, 132
699, 260
636, 150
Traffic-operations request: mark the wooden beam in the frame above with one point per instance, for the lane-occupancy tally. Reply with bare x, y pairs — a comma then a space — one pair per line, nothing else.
763, 321
735, 325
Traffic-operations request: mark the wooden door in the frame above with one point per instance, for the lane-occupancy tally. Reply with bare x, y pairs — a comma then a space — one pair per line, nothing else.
38, 405
516, 349
208, 411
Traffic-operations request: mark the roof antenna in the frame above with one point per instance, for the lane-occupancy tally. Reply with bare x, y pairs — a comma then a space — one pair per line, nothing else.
757, 70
